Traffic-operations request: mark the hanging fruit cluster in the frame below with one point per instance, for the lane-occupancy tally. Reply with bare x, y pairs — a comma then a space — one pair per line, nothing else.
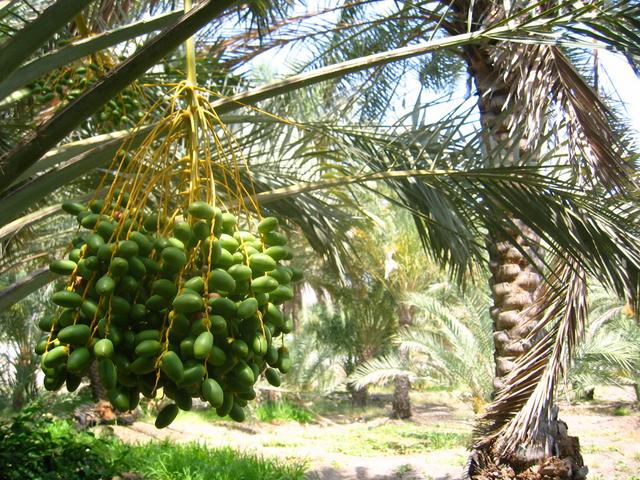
194, 313
64, 86
168, 292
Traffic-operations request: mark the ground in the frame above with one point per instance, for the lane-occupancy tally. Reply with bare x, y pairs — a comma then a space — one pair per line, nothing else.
367, 445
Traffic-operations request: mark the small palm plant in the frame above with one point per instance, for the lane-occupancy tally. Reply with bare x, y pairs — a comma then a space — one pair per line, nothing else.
340, 336
450, 345
610, 353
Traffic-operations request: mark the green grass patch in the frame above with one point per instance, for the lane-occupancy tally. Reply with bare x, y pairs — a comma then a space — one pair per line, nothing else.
207, 415
344, 408
282, 411
399, 440
622, 411
437, 440
192, 461
282, 443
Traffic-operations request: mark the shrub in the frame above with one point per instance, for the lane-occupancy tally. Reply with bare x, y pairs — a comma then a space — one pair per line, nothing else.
38, 447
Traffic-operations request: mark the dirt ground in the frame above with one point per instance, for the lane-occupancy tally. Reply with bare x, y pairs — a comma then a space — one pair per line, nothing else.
369, 446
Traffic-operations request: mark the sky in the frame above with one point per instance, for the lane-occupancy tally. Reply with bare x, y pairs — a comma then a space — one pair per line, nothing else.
627, 86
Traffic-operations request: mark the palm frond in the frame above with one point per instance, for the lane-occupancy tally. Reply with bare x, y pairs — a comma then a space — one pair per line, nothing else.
24, 286
610, 351
29, 38
599, 238
381, 371
594, 149
34, 69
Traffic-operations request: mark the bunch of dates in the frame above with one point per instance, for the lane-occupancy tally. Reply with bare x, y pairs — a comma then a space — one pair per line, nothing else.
192, 308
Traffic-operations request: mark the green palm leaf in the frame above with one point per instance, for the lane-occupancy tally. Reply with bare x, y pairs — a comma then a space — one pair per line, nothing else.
381, 371
29, 38
34, 69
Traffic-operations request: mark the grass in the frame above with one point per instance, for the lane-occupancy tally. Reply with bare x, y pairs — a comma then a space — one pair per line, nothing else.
405, 472
599, 449
282, 411
40, 446
282, 443
393, 439
622, 411
192, 461
207, 414
344, 408
272, 412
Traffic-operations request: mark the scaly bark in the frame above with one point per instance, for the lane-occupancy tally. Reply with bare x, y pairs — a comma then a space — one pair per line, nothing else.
401, 404
97, 389
514, 282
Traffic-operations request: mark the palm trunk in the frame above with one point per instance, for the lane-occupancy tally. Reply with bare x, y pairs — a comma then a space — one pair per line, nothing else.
514, 284
24, 376
513, 287
97, 389
359, 396
401, 404
292, 308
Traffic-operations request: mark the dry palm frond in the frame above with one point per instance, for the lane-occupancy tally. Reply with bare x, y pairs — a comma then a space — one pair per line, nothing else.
546, 89
522, 407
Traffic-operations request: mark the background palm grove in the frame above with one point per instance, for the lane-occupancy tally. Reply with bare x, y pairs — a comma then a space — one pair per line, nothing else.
458, 185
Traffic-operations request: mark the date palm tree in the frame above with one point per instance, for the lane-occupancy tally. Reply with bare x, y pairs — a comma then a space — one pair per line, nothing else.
406, 269
450, 344
518, 86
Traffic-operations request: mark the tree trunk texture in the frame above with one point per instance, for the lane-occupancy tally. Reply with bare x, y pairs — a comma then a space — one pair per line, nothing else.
401, 403
24, 387
514, 284
359, 396
292, 308
589, 393
98, 391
